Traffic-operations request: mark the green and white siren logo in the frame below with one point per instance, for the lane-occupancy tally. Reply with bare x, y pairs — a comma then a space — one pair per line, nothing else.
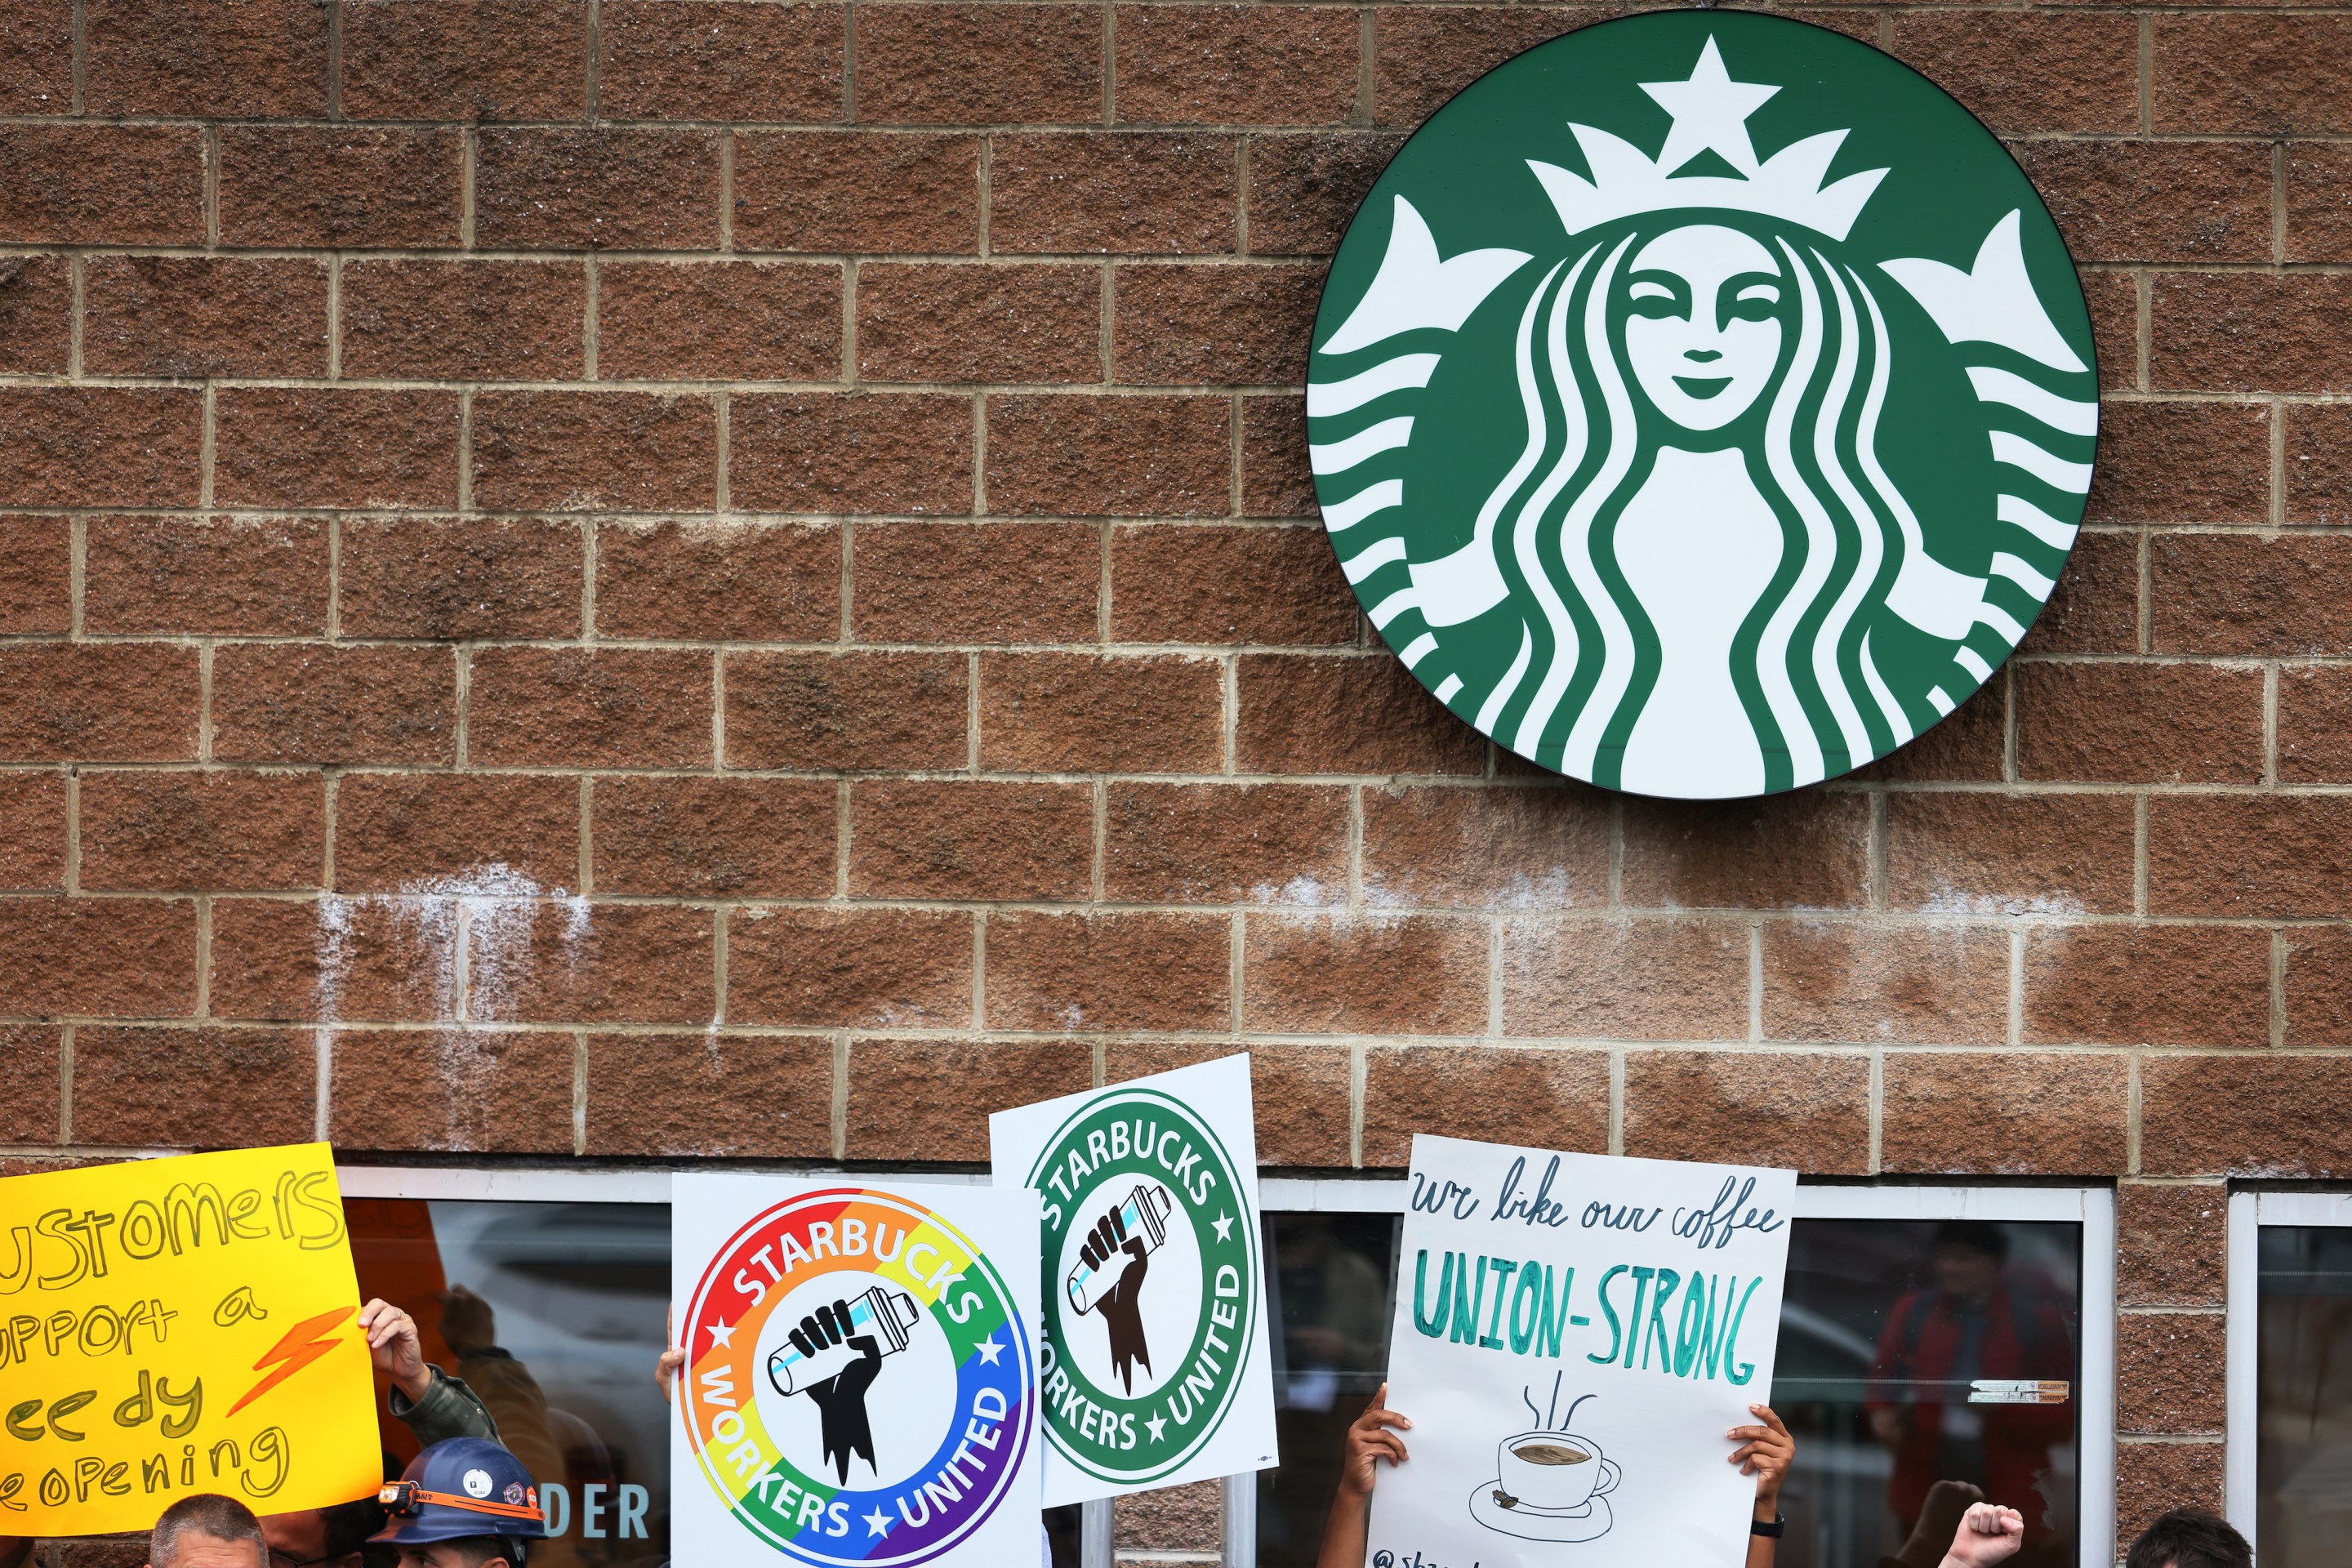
1149, 1259
1702, 404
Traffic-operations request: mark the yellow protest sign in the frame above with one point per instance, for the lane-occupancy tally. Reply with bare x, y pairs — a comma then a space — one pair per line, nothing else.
177, 1326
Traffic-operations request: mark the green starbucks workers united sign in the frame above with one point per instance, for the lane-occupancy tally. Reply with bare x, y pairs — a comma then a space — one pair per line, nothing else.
1702, 404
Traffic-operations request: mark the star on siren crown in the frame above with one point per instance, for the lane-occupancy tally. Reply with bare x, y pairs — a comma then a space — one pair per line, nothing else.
1710, 113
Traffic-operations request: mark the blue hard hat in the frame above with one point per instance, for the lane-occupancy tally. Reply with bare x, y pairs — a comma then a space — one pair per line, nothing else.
463, 1486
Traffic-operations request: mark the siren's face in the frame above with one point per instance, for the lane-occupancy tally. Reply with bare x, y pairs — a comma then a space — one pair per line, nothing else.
1704, 332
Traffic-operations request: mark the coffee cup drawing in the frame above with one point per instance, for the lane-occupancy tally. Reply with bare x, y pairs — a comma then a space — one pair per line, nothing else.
1552, 1472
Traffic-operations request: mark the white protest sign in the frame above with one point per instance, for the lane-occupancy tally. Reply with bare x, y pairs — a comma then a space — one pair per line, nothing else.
1574, 1334
861, 1373
1156, 1370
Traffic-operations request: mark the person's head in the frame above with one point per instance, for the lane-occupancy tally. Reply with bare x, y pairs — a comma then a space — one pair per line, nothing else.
467, 1552
1969, 1254
207, 1531
465, 1502
322, 1537
2190, 1538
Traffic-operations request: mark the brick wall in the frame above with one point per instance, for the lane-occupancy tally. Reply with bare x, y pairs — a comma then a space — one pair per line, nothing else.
670, 577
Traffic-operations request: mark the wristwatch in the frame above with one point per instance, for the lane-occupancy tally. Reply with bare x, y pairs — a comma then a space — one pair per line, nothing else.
1779, 1522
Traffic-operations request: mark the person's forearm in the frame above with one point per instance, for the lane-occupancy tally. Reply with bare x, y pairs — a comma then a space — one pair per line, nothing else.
1343, 1536
1761, 1547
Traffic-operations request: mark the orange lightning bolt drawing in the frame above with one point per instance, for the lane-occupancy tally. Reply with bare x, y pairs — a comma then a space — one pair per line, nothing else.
297, 1348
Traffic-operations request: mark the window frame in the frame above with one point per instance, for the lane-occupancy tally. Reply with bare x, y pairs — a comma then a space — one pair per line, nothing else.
2094, 1208
2249, 1212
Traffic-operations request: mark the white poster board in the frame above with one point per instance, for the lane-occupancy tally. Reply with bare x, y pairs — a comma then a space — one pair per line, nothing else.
1574, 1334
1155, 1363
861, 1378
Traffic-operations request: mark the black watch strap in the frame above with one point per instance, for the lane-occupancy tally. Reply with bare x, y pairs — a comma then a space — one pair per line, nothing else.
1779, 1522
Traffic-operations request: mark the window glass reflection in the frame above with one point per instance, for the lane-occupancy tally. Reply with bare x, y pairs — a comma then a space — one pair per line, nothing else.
2303, 1461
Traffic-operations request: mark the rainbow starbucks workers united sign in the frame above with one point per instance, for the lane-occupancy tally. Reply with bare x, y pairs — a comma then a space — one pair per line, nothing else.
861, 1378
1155, 1369
1702, 404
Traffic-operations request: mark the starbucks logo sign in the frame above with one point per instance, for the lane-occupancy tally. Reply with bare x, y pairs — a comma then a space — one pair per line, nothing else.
1702, 404
1149, 1259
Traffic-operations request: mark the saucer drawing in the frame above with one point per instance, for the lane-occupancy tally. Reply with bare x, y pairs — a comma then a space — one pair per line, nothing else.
1586, 1522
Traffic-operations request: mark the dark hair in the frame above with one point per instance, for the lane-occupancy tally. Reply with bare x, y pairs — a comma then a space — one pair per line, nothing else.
348, 1524
2190, 1538
1976, 1235
480, 1549
205, 1513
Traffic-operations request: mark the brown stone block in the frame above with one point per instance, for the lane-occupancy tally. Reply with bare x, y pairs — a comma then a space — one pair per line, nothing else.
334, 447
2318, 468
2249, 331
714, 838
1109, 971
1639, 980
98, 445
538, 962
1424, 54
942, 322
101, 184
700, 321
2156, 201
1336, 974
97, 702
248, 59
582, 708
978, 65
463, 1091
2096, 607
1129, 457
1968, 747
467, 320
2139, 723
32, 1085
2171, 1245
1221, 586
857, 191
1074, 712
1226, 65
37, 57
603, 189
851, 452
2318, 201
2181, 462
1177, 1519
32, 831
1115, 195
2168, 1371
2271, 76
36, 302
2009, 1113
1213, 323
2113, 301
441, 578
1995, 854
216, 576
930, 1100
171, 832
592, 451
1807, 847
98, 958
991, 582
464, 59
710, 1096
1490, 849
194, 1089
2027, 72
2224, 593
339, 186
719, 581
853, 968
1276, 478
2154, 1479
203, 315
1300, 1094
1767, 1108
2156, 985
852, 710
1304, 190
2244, 1115
1303, 715
2249, 857
457, 835
1225, 844
1549, 1098
2318, 986
277, 702
35, 574
1918, 984
392, 960
661, 59
969, 839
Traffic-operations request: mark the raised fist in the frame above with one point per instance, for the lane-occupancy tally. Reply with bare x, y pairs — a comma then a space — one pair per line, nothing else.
841, 1398
1119, 1310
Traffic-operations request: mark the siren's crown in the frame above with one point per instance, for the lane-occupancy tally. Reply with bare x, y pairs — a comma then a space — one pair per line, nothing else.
1710, 114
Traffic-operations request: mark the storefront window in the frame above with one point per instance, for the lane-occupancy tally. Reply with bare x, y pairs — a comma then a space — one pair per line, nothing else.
2303, 1448
554, 1314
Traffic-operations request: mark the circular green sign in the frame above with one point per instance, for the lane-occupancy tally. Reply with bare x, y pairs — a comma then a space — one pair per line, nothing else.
1150, 1299
1702, 404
